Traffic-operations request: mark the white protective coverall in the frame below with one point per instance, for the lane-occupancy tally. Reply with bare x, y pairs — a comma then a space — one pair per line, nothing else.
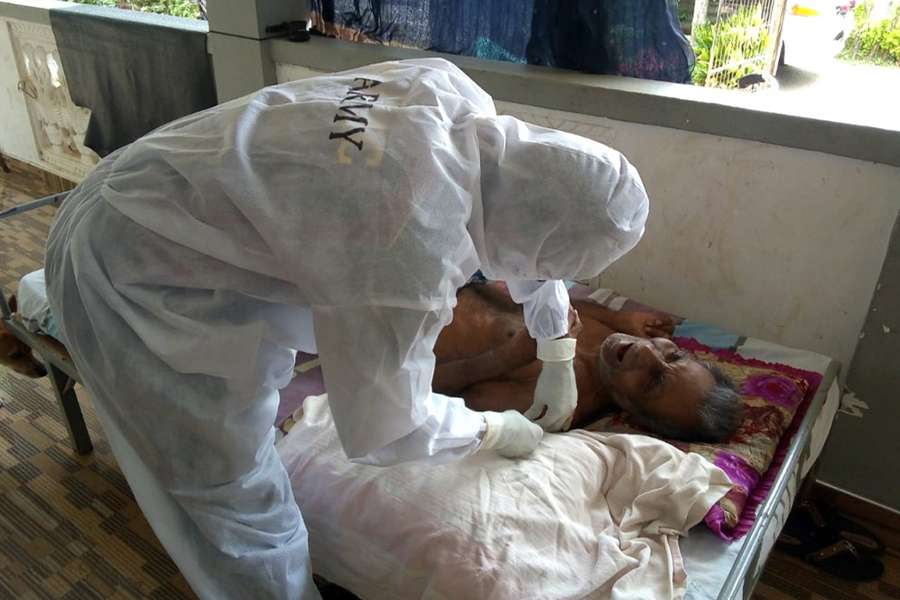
189, 267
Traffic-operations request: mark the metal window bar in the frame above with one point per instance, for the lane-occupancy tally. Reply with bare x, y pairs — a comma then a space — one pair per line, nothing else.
745, 40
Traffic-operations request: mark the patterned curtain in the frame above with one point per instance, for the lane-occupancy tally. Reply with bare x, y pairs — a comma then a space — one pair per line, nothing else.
635, 38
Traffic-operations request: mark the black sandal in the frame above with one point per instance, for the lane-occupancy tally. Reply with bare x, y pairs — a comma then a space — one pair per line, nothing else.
861, 537
807, 536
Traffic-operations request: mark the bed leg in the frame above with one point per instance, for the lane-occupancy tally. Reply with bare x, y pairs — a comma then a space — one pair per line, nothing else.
68, 402
806, 486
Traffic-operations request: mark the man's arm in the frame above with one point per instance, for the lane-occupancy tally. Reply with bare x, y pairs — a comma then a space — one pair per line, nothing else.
639, 323
454, 376
500, 396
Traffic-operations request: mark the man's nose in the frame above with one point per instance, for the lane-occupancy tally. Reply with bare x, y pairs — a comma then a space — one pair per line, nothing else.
647, 352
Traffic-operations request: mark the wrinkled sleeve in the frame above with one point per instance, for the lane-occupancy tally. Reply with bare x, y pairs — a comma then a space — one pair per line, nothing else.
378, 364
546, 305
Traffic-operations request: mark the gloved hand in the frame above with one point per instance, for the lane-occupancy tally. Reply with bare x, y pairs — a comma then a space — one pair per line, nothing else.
555, 389
510, 434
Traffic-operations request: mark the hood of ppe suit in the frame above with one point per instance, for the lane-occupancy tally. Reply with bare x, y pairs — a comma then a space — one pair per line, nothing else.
555, 205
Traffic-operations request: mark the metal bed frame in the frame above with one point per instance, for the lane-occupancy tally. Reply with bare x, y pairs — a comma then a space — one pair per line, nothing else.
60, 368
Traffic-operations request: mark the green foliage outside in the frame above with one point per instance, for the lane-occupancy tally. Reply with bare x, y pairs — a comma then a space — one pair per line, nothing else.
684, 8
742, 36
177, 8
871, 41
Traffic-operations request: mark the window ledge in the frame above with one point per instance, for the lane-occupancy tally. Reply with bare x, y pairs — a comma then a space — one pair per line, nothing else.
756, 117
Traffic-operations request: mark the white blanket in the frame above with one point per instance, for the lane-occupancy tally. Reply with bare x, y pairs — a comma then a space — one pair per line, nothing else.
587, 516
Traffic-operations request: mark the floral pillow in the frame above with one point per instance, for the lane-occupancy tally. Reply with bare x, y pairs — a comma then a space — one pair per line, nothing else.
775, 398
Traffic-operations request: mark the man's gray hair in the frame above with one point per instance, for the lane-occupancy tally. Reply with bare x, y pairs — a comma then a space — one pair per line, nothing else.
719, 412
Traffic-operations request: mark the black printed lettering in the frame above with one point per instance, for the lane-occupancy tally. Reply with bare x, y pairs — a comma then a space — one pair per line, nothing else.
364, 102
365, 84
358, 96
362, 120
350, 108
345, 135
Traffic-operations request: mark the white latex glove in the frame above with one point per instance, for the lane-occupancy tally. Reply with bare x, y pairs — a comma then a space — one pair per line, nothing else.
555, 386
510, 434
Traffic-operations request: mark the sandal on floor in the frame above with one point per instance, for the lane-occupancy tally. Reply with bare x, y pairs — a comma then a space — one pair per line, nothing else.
823, 547
861, 537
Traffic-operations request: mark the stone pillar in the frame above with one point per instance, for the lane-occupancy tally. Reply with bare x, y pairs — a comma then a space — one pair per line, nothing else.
701, 7
237, 30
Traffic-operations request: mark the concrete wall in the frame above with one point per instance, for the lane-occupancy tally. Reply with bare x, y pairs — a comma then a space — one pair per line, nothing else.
778, 243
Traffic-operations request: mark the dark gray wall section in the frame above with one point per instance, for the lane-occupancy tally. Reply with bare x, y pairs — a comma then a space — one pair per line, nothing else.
863, 453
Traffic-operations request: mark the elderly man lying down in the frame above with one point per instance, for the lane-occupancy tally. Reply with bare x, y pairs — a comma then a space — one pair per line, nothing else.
622, 358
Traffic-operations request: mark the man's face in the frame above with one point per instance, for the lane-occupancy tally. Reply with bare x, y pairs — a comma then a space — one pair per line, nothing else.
656, 376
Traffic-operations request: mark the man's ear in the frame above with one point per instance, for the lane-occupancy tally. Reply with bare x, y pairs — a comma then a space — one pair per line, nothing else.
13, 304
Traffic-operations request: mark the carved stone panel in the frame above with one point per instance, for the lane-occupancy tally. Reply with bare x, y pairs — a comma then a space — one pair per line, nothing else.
58, 124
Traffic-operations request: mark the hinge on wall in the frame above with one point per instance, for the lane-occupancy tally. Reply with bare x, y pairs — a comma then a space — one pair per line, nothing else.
27, 88
296, 31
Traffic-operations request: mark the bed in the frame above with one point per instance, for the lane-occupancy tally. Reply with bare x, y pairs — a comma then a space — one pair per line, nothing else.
716, 568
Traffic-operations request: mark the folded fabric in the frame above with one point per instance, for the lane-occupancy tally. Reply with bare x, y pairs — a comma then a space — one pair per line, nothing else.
586, 516
635, 38
154, 69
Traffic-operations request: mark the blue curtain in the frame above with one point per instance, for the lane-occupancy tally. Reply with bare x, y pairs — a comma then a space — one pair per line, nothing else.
636, 38
496, 29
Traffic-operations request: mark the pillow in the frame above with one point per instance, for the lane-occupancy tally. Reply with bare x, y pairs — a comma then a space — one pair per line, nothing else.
775, 399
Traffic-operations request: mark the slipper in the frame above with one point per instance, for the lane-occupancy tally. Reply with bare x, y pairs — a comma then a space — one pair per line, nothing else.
823, 547
842, 560
333, 592
861, 537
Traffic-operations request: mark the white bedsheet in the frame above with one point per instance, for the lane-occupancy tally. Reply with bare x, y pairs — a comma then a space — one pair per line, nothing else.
588, 516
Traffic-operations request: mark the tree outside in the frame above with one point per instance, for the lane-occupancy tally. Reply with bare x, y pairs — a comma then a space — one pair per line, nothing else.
189, 9
875, 37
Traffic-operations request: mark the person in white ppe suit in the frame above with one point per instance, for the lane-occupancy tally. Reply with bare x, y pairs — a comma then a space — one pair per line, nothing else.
337, 214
